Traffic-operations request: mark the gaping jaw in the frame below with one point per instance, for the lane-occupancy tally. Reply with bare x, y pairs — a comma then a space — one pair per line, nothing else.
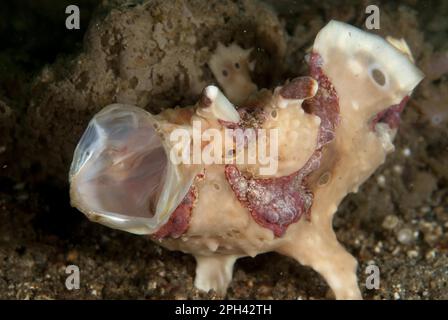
121, 175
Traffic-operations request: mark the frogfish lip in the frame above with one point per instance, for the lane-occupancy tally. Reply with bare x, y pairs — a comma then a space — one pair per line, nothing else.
121, 175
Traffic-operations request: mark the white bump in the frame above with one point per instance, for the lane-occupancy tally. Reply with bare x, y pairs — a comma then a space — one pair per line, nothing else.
406, 152
398, 169
381, 180
355, 66
211, 92
221, 108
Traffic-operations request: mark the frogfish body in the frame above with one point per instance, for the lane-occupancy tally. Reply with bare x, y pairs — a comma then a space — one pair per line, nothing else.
222, 182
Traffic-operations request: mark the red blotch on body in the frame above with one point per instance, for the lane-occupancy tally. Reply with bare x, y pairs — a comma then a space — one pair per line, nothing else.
391, 115
180, 218
275, 203
298, 88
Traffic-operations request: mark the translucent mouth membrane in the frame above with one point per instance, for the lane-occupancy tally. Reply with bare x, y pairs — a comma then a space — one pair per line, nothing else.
120, 172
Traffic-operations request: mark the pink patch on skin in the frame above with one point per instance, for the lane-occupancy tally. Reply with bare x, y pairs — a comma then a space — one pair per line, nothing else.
228, 124
391, 115
275, 203
299, 88
179, 220
325, 104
